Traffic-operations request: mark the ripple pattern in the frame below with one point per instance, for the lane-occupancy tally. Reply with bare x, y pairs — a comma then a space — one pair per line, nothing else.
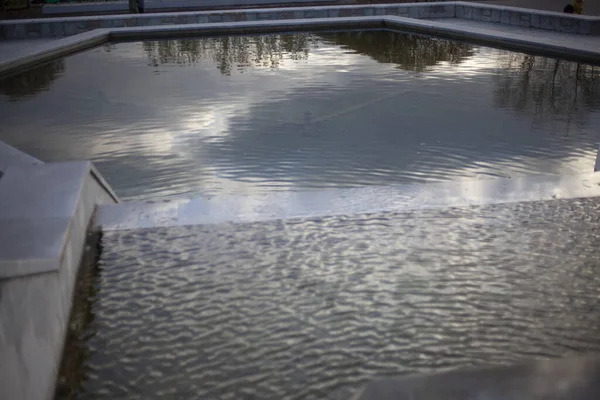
249, 115
313, 308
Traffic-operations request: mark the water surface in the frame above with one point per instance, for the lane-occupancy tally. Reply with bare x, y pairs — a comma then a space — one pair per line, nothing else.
254, 114
313, 308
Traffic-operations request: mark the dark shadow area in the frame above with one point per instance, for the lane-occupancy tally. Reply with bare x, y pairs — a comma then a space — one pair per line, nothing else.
547, 88
32, 81
409, 52
76, 352
231, 52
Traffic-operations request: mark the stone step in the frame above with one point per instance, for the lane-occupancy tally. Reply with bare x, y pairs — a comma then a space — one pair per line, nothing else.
285, 205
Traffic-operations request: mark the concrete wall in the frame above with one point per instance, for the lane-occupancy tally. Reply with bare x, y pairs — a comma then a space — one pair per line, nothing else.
45, 210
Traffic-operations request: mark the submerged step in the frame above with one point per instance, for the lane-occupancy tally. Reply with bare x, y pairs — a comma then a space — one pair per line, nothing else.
282, 205
311, 307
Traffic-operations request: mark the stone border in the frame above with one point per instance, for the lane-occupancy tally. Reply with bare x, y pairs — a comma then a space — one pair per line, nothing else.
60, 27
158, 5
45, 211
551, 47
38, 209
537, 19
83, 8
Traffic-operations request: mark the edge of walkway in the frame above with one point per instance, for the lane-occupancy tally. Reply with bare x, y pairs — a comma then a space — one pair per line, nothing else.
548, 46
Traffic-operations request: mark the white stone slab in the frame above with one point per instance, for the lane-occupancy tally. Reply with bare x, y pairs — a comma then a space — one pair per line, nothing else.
31, 246
9, 156
38, 207
50, 191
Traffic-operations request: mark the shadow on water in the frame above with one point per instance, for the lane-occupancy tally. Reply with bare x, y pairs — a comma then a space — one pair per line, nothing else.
32, 81
545, 87
408, 52
73, 373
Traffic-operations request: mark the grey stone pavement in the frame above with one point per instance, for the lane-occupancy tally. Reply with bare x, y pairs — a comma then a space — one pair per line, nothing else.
568, 39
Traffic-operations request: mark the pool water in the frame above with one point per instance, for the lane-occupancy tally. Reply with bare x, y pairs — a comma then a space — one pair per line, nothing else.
255, 114
313, 308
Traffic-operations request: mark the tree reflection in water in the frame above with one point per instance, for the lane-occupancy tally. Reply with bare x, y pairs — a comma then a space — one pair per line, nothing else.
32, 81
231, 52
547, 88
410, 52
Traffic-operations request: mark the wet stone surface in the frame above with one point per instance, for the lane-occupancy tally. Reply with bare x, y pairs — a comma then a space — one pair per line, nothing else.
314, 308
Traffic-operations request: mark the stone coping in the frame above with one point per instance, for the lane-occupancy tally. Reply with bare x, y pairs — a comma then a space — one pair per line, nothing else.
37, 207
87, 7
60, 27
122, 5
547, 46
45, 212
285, 205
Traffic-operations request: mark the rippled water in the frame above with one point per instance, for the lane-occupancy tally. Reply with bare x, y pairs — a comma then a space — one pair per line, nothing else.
248, 115
312, 308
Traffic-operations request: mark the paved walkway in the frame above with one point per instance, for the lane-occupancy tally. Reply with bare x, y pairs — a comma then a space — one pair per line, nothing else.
567, 39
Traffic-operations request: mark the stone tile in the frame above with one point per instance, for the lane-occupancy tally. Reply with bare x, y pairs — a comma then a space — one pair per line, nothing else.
468, 14
584, 27
568, 25
459, 11
70, 28
548, 22
417, 12
46, 30
20, 31
515, 18
496, 15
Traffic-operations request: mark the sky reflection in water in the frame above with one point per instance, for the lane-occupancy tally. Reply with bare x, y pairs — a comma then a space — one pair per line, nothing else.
255, 114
